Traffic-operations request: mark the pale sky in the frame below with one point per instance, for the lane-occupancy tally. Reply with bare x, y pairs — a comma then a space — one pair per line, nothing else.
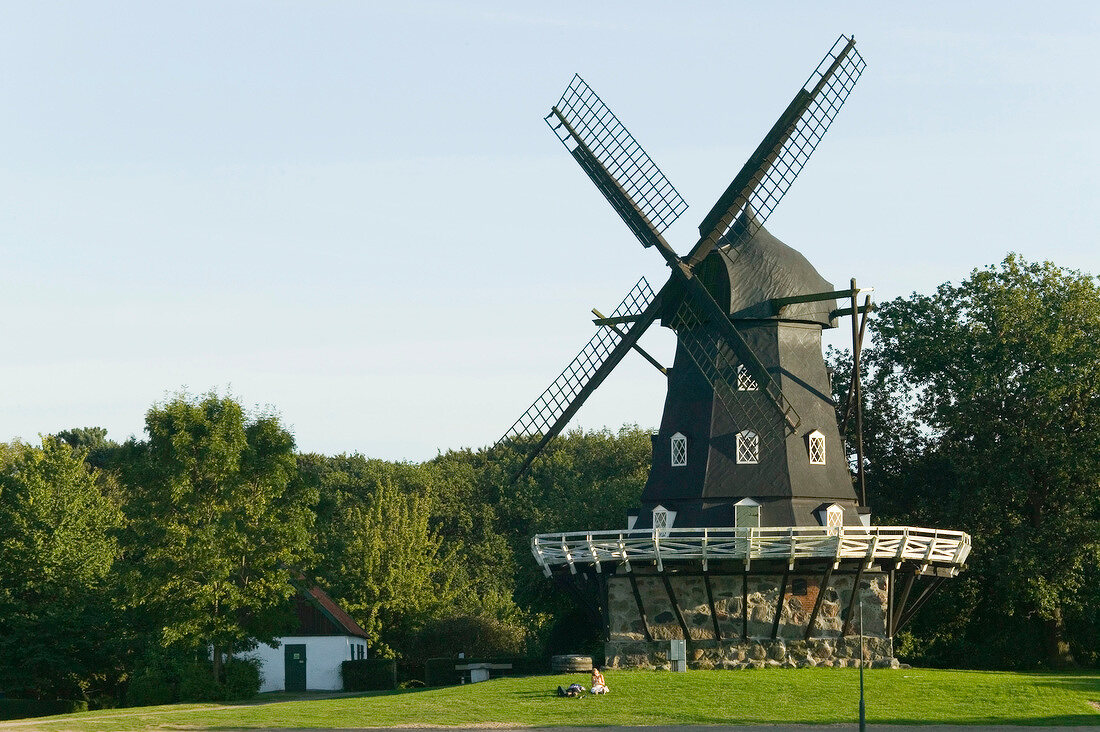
354, 213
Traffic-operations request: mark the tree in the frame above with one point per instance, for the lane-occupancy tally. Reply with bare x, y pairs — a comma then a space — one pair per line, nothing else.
583, 480
376, 549
994, 386
98, 450
219, 522
58, 626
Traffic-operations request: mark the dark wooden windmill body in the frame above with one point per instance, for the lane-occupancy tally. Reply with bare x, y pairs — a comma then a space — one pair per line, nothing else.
749, 531
738, 445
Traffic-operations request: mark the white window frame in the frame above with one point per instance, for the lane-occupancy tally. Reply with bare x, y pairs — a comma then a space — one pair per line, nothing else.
679, 450
815, 445
832, 518
748, 448
663, 519
745, 380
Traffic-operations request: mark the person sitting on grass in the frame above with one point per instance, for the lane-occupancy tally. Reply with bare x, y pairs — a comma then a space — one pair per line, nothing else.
599, 686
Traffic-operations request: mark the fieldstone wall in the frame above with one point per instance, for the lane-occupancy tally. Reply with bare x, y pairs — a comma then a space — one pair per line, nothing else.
627, 646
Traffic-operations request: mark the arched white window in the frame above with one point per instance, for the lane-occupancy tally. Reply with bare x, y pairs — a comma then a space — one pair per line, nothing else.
816, 444
745, 382
748, 447
662, 520
746, 512
679, 450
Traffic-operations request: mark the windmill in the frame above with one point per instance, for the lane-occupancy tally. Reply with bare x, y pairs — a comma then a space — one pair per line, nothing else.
749, 499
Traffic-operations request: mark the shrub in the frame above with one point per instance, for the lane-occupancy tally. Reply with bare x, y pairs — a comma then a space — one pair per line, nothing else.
148, 687
22, 708
369, 674
197, 683
242, 678
441, 672
469, 634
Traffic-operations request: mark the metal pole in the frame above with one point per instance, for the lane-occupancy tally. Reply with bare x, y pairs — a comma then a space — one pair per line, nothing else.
862, 706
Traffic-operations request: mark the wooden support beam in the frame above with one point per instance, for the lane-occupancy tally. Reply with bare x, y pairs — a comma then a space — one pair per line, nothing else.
842, 312
601, 319
890, 604
919, 602
857, 347
641, 607
817, 603
857, 395
745, 605
899, 606
778, 302
605, 602
779, 604
852, 601
628, 319
622, 554
675, 606
595, 555
713, 610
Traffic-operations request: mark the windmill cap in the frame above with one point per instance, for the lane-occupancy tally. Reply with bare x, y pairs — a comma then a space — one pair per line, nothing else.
747, 277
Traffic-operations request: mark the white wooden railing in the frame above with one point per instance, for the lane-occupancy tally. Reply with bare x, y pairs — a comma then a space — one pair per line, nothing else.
927, 547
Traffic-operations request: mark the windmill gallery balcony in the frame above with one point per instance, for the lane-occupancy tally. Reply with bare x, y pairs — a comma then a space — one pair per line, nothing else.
930, 549
750, 597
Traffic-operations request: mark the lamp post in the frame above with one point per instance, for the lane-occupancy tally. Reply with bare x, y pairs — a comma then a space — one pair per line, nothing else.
862, 707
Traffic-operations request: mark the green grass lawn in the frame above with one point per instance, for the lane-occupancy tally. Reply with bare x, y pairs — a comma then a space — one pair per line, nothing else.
794, 696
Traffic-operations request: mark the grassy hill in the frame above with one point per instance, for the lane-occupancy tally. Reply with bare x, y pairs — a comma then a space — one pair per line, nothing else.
795, 696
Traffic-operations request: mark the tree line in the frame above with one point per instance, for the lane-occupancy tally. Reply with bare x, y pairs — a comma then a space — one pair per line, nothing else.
118, 560
982, 413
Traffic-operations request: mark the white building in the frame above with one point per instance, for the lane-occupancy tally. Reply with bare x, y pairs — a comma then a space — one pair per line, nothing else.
310, 659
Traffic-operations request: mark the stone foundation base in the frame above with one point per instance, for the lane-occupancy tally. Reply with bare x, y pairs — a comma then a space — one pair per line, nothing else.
748, 621
833, 653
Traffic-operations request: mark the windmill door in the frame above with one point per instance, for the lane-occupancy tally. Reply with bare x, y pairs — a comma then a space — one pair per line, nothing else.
295, 657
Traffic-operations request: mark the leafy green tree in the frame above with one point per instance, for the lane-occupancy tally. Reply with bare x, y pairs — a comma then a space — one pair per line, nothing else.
583, 480
466, 517
99, 450
376, 549
59, 629
219, 520
987, 397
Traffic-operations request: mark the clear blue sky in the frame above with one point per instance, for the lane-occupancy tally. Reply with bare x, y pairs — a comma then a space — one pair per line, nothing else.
353, 212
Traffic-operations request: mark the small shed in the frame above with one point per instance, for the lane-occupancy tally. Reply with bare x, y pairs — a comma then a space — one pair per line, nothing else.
324, 637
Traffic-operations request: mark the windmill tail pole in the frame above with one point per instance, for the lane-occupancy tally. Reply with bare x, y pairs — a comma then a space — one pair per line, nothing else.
857, 393
856, 348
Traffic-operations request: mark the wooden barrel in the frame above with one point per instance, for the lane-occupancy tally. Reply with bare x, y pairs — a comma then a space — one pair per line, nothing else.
570, 664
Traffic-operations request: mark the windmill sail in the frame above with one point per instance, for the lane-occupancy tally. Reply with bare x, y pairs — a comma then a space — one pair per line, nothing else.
777, 161
549, 414
648, 204
621, 169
